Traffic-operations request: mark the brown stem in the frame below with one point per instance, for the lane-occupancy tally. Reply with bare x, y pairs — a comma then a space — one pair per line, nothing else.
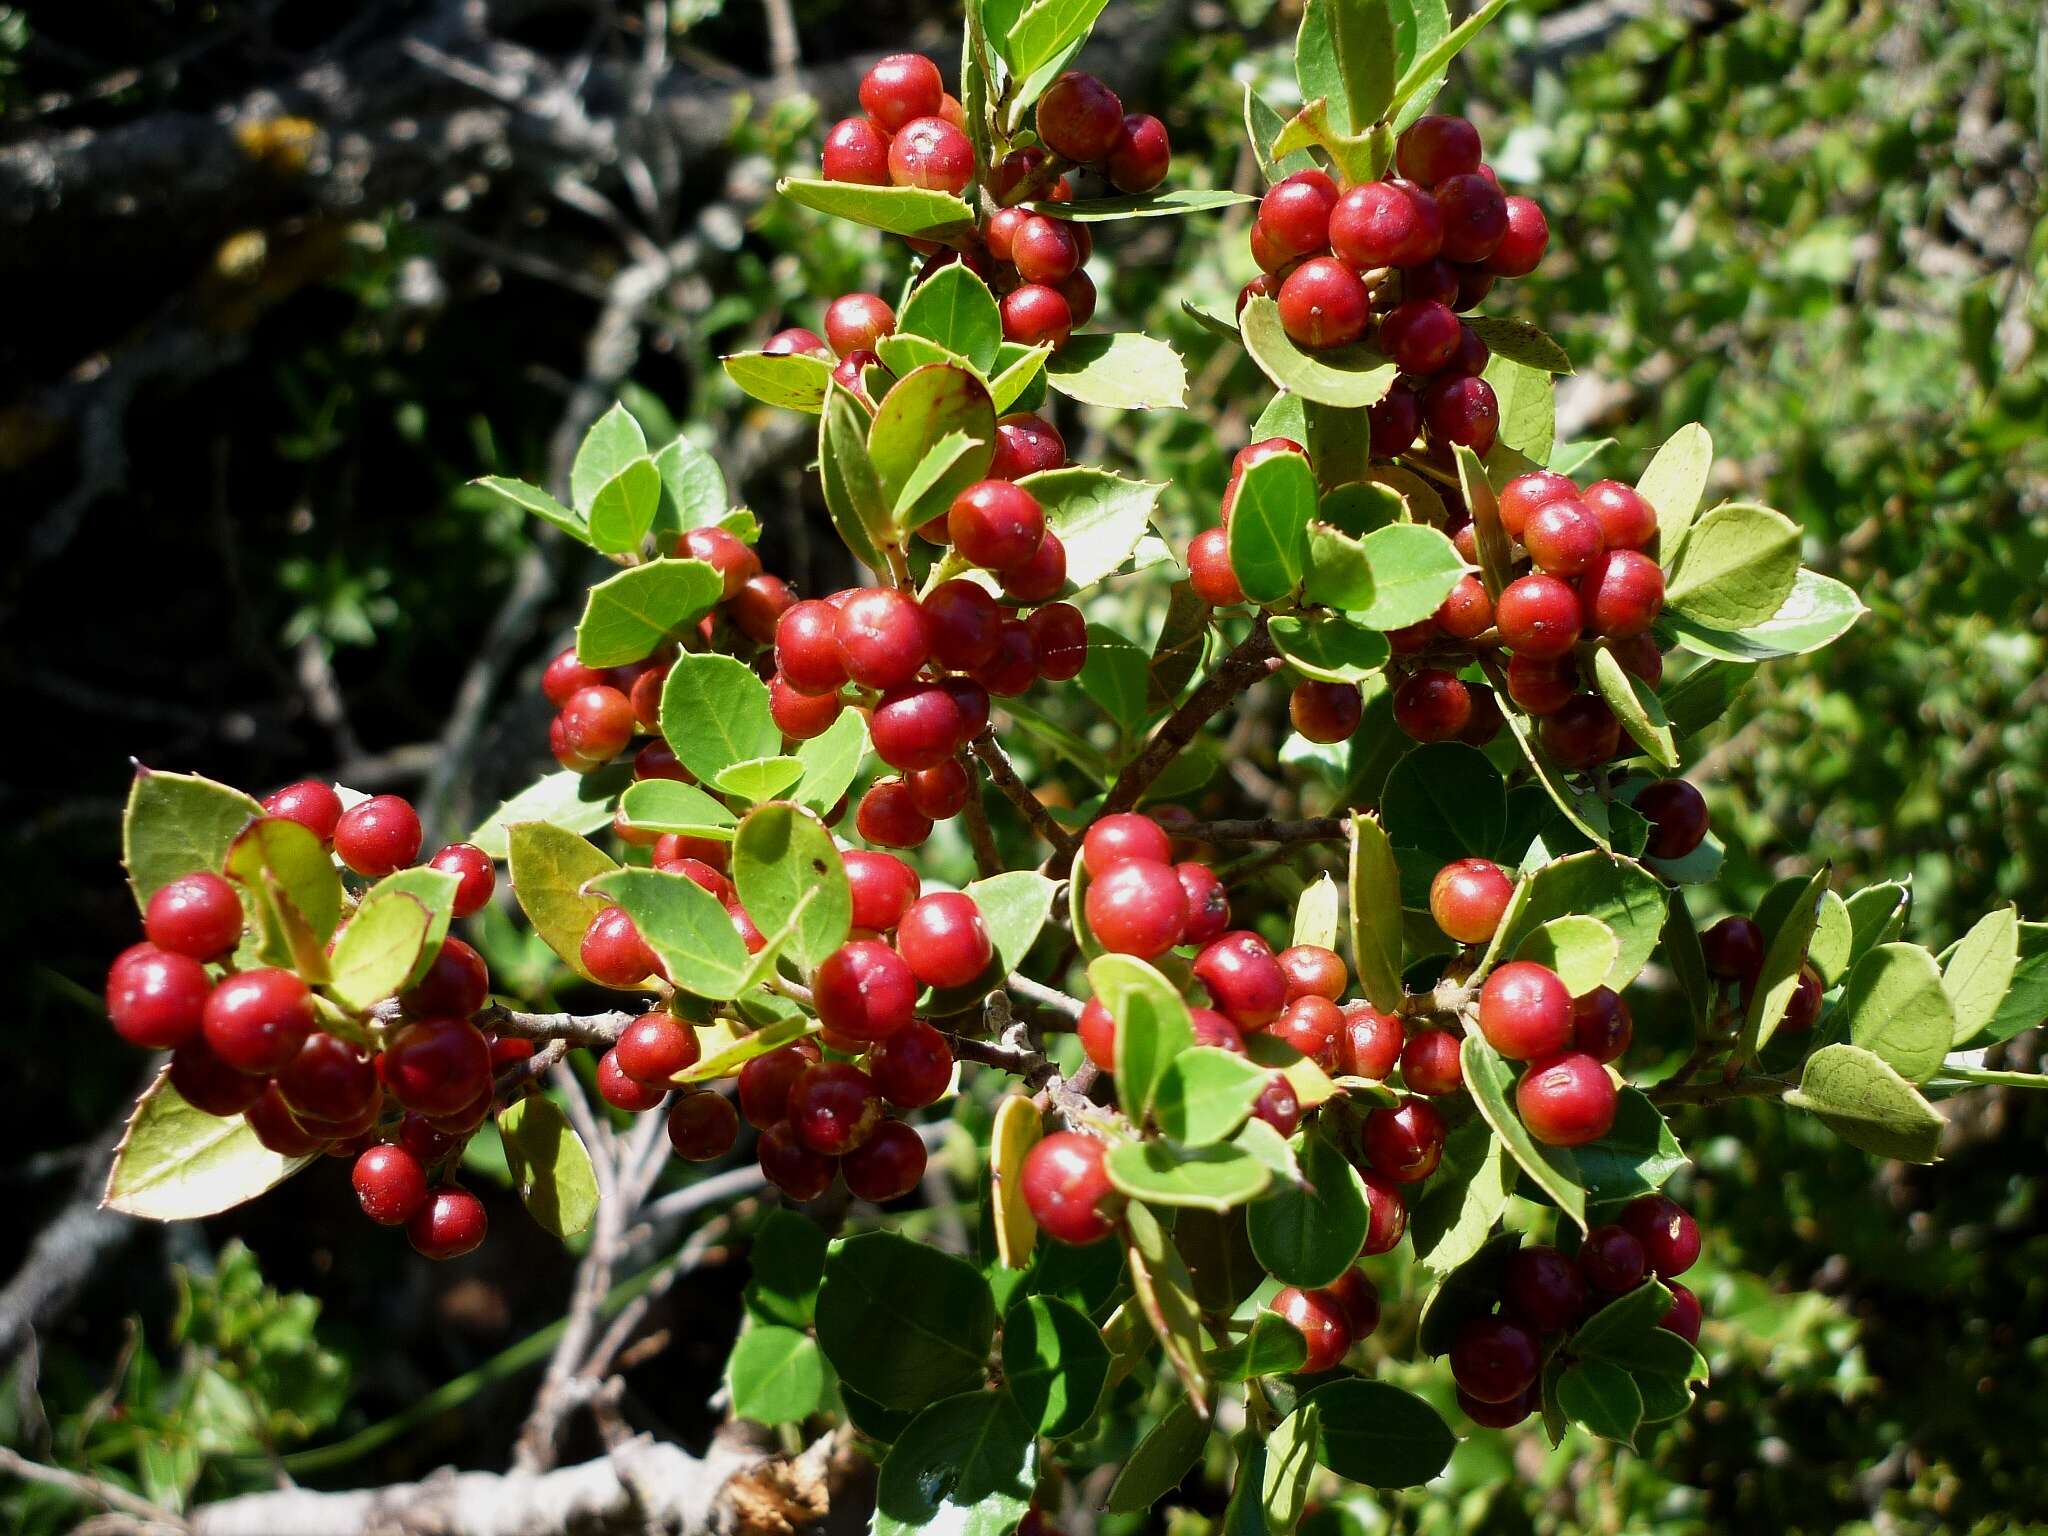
593, 1029
1264, 829
988, 858
1018, 793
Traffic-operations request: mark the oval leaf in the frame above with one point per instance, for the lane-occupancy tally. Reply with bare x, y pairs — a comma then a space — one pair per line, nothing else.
550, 1167
177, 1163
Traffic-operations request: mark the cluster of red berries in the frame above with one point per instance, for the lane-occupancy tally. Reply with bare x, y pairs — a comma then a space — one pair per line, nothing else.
252, 1042
1498, 1360
1420, 248
914, 134
1734, 951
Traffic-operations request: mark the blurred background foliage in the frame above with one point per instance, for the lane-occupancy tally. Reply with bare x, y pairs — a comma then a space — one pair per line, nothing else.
235, 449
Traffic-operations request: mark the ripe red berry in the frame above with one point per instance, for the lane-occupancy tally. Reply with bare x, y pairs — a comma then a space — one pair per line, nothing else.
1314, 1026
833, 1107
257, 1020
209, 1084
962, 619
1432, 705
1538, 617
1059, 636
941, 791
1125, 835
1000, 233
1563, 537
944, 939
1097, 1029
382, 834
448, 1224
313, 805
913, 1067
996, 525
1494, 1360
1211, 1028
1405, 1142
1139, 158
1669, 1235
899, 88
1385, 224
1294, 215
1430, 1064
1393, 421
1067, 1188
1542, 1290
1525, 1011
1627, 521
1475, 217
1025, 445
1035, 314
1042, 576
1325, 712
883, 888
390, 1184
1323, 304
1467, 898
1567, 1101
1210, 572
1500, 1415
1078, 289
1542, 687
792, 1167
1079, 118
1601, 1025
1044, 250
1247, 457
1463, 411
1612, 1260
456, 982
1278, 1105
329, 1080
1582, 734
1435, 279
1734, 949
436, 1067
807, 648
1523, 242
474, 873
1639, 657
1320, 1318
1622, 593
1137, 907
1468, 612
1525, 493
1802, 1010
1474, 284
1683, 1317
614, 954
801, 716
1472, 354
1371, 1042
887, 1166
156, 999
857, 151
655, 1047
930, 152
883, 637
671, 847
197, 915
915, 726
1387, 1213
854, 322
735, 563
1245, 982
864, 991
277, 1129
1313, 971
1420, 335
1437, 147
623, 1091
889, 818
702, 1126
597, 723
1208, 903
765, 1081
1677, 814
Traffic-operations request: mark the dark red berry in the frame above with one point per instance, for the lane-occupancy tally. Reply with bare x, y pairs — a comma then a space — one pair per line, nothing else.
930, 152
864, 991
1420, 336
457, 982
887, 1166
329, 1080
1125, 835
857, 151
889, 818
1734, 949
913, 1067
1677, 814
1387, 1208
1320, 1318
1314, 1026
197, 915
915, 726
1325, 712
1323, 304
1404, 1142
156, 999
390, 1185
1542, 1290
1313, 971
436, 1067
963, 620
1139, 158
277, 1129
702, 1126
1601, 1025
1294, 215
1138, 907
1542, 687
833, 1106
1494, 1360
1567, 1100
941, 791
1245, 982
1079, 118
1669, 1235
1500, 1415
209, 1084
257, 1020
1278, 1105
1581, 734
1044, 250
1612, 1260
1524, 240
1437, 147
900, 87
1683, 1317
1430, 1064
450, 1223
1433, 705
1041, 577
1394, 421
883, 888
1802, 1011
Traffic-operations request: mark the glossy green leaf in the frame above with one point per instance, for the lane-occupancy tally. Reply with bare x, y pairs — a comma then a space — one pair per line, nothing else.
1212, 1178
1734, 568
1347, 376
903, 1322
1859, 1097
550, 1166
177, 1163
178, 824
1152, 1027
783, 857
966, 1466
1447, 800
1636, 1156
949, 466
955, 309
1818, 612
1375, 891
1785, 947
623, 509
1895, 1006
1165, 1294
1205, 1094
1263, 126
1316, 913
575, 802
776, 1375
1979, 973
1099, 517
1619, 892
1491, 1082
1675, 480
294, 890
1167, 202
1290, 1463
1877, 915
1276, 497
1177, 653
758, 778
1520, 342
685, 925
1122, 370
1118, 676
534, 500
1528, 407
1601, 1395
1412, 569
1023, 370
714, 713
1165, 1456
792, 381
788, 1263
693, 493
894, 210
1273, 1347
1582, 950
854, 499
1635, 705
549, 868
1452, 1216
1617, 1330
769, 1037
925, 407
1054, 1364
669, 805
831, 761
627, 616
1467, 1291
1379, 1435
1308, 1234
613, 441
378, 951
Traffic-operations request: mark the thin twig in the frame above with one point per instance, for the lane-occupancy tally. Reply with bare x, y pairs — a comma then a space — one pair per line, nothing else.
1018, 793
1044, 996
988, 859
592, 1029
92, 1490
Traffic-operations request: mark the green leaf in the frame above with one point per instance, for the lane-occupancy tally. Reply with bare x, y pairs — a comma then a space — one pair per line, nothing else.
788, 1260
853, 494
1152, 1027
769, 1037
1014, 907
1309, 1234
693, 493
1784, 952
1273, 1347
1859, 1097
1379, 1435
1676, 479
1431, 60
627, 616
575, 802
954, 308
1467, 1291
668, 805
1896, 1007
1117, 676
1346, 376
925, 408
1528, 407
953, 463
1496, 553
294, 889
1046, 29
1580, 949
894, 210
783, 858
623, 509
613, 441
1263, 126
1412, 569
1205, 1094
1618, 1329
1316, 913
1521, 342
549, 868
1276, 497
1099, 517
1144, 205
792, 381
714, 713
1818, 612
434, 891
1491, 1082
1022, 367
1161, 1460
1362, 37
1635, 705
1619, 892
1979, 973
684, 924
1177, 653
1291, 1452
902, 354
177, 1163
550, 1167
1877, 915
1735, 566
1419, 25
1446, 799
1124, 371
831, 762
378, 950
1603, 1397
1451, 1218
1211, 1178
966, 1465
776, 1375
178, 824
1054, 1363
1635, 1157
531, 498
902, 1322
758, 778
1375, 914
1165, 1294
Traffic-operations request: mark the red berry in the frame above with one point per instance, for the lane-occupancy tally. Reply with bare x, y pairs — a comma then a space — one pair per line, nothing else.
1040, 577
1025, 445
807, 648
792, 1167
1669, 1235
209, 1084
1139, 158
329, 1080
313, 805
765, 1081
1211, 1028
1079, 118
1542, 1290
702, 1126
1472, 354
197, 915
436, 1067
1432, 705
1639, 657
450, 1223
1325, 712
1474, 284
457, 982
1371, 1042
1245, 982
1097, 1029
1525, 1011
889, 818
257, 1020
1538, 617
1463, 411
801, 716
1582, 734
1468, 612
1066, 1187
883, 637
1059, 635
1467, 898
1405, 1142
1137, 907
1250, 455
1323, 304
1601, 1025
944, 939
1486, 719
887, 1166
1525, 493
1475, 217
1567, 1100
1494, 1361
614, 954
1437, 147
1035, 315
735, 563
854, 322
1677, 814
476, 877
1523, 242
1734, 949
899, 88
1627, 521
1294, 215
597, 723
277, 1129
1044, 250
883, 888
1421, 336
1387, 1213
1000, 234
1500, 1415
857, 151
1385, 224
623, 1091
390, 1185
1612, 1260
1802, 1011
1683, 1316
655, 1047
1563, 537
156, 999
1435, 279
864, 991
963, 621
1078, 289
1125, 835
672, 847
1210, 572
1542, 687
940, 791
1394, 421
1313, 971
1278, 1105
1320, 1318
917, 726
996, 525
913, 1067
1314, 1026
1430, 1064
382, 834
833, 1106
1622, 593
930, 152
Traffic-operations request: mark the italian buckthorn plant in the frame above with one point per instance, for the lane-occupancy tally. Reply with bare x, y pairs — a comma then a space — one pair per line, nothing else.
1313, 1185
